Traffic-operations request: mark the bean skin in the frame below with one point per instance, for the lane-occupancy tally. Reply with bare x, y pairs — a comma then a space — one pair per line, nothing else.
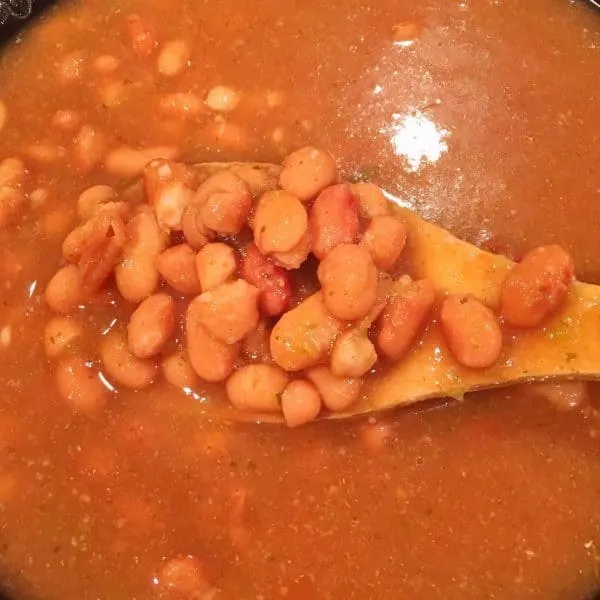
257, 388
177, 266
273, 282
64, 292
80, 386
333, 220
349, 281
537, 286
306, 172
300, 403
337, 393
403, 317
385, 238
170, 203
304, 335
215, 264
353, 355
211, 359
471, 330
151, 325
370, 200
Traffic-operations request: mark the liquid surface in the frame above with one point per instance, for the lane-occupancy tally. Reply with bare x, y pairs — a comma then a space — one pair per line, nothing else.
481, 116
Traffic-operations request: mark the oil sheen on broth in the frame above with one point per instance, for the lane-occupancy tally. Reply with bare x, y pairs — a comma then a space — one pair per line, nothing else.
480, 116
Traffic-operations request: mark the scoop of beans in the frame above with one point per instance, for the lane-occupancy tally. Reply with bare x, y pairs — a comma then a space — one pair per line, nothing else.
284, 332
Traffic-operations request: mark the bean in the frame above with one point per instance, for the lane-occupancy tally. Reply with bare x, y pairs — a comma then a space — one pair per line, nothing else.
337, 393
273, 282
211, 359
181, 105
80, 387
257, 388
174, 57
349, 281
3, 115
225, 201
564, 395
370, 200
294, 258
255, 346
306, 172
12, 172
159, 173
195, 232
151, 325
12, 204
222, 99
93, 197
184, 577
70, 68
106, 64
60, 334
177, 266
45, 153
89, 147
403, 316
122, 366
178, 370
385, 238
537, 286
300, 403
130, 162
333, 220
280, 222
353, 355
305, 335
215, 264
223, 134
170, 203
68, 120
258, 178
229, 312
136, 274
471, 330
64, 291
112, 93
142, 35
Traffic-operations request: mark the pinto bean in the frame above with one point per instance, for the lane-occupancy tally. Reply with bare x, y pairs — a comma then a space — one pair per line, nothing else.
170, 203
280, 222
67, 120
142, 35
64, 292
80, 387
177, 266
174, 57
122, 366
304, 336
273, 282
93, 197
183, 577
471, 330
384, 238
215, 264
257, 388
12, 172
89, 147
222, 99
333, 220
353, 354
225, 201
537, 286
211, 359
337, 393
349, 281
300, 403
403, 316
105, 64
178, 370
151, 325
306, 172
294, 258
60, 334
370, 200
229, 312
195, 232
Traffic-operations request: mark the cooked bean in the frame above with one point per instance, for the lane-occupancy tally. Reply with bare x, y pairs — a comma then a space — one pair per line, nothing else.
255, 346
337, 393
307, 172
174, 57
300, 403
12, 172
224, 134
136, 274
273, 282
280, 222
64, 291
257, 388
294, 258
182, 105
333, 220
384, 238
353, 354
91, 198
170, 204
564, 395
178, 370
215, 264
184, 577
3, 115
68, 120
195, 232
304, 336
106, 64
349, 281
60, 334
12, 204
403, 316
79, 385
225, 201
537, 286
471, 330
142, 35
259, 179
159, 173
222, 99
89, 147
177, 265
129, 162
122, 366
230, 311
151, 325
370, 200
70, 68
211, 359
45, 153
